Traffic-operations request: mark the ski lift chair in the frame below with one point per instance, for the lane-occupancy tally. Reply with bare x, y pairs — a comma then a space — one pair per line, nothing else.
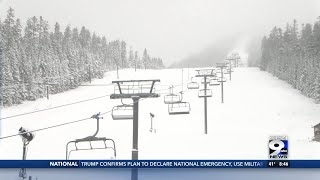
172, 98
122, 112
193, 85
204, 93
179, 108
214, 83
91, 139
224, 79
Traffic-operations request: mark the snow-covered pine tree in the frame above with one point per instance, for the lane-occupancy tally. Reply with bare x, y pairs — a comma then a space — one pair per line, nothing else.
131, 58
145, 59
124, 63
11, 62
137, 64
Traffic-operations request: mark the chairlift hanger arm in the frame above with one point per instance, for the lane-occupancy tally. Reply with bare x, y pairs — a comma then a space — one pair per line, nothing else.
152, 86
118, 83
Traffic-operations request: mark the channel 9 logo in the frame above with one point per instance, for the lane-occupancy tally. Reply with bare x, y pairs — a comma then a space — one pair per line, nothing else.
278, 147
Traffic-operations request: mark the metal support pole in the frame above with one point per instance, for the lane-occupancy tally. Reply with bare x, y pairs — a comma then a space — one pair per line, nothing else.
135, 152
205, 104
151, 123
221, 84
23, 171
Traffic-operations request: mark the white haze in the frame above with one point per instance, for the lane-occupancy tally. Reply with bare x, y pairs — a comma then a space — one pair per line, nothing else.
171, 29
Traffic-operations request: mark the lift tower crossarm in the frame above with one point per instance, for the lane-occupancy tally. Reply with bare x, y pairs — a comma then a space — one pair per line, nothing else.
136, 89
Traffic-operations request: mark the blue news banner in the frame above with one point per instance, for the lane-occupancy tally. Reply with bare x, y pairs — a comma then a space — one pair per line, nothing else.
159, 163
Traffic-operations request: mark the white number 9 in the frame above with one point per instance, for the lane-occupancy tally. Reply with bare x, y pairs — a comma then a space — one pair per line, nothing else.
276, 145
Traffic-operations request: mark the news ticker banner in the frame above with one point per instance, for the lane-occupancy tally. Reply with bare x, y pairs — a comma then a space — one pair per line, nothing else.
159, 163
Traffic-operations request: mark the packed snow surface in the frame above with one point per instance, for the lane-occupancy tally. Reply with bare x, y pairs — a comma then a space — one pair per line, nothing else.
256, 106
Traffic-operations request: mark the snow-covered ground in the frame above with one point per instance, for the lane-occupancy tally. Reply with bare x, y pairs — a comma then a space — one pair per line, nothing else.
257, 105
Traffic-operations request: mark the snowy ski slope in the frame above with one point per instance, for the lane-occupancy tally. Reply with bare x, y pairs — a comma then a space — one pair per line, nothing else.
257, 105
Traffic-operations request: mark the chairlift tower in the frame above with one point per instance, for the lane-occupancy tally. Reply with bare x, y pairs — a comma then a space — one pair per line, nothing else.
135, 89
205, 73
222, 79
230, 66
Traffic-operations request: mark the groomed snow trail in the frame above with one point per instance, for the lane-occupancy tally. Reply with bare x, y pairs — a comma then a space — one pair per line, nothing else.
257, 105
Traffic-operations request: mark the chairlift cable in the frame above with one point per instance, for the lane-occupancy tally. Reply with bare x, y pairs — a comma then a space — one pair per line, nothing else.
63, 124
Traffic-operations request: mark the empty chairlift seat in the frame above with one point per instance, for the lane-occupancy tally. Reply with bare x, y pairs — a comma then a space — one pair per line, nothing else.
122, 112
205, 93
224, 79
214, 83
172, 98
193, 85
91, 142
179, 108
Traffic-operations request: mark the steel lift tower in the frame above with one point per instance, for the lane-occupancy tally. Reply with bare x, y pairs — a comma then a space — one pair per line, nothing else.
135, 89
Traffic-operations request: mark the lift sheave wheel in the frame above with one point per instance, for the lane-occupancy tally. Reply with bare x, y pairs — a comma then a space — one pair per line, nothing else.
91, 139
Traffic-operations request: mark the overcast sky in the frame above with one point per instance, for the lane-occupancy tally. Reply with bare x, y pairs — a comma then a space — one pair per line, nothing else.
171, 29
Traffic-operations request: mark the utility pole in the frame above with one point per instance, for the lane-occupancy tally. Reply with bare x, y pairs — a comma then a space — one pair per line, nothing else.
145, 91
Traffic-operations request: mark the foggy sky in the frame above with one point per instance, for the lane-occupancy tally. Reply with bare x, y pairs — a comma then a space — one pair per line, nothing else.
171, 29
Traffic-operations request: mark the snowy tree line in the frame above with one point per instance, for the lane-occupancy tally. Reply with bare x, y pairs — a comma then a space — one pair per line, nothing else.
293, 55
36, 58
